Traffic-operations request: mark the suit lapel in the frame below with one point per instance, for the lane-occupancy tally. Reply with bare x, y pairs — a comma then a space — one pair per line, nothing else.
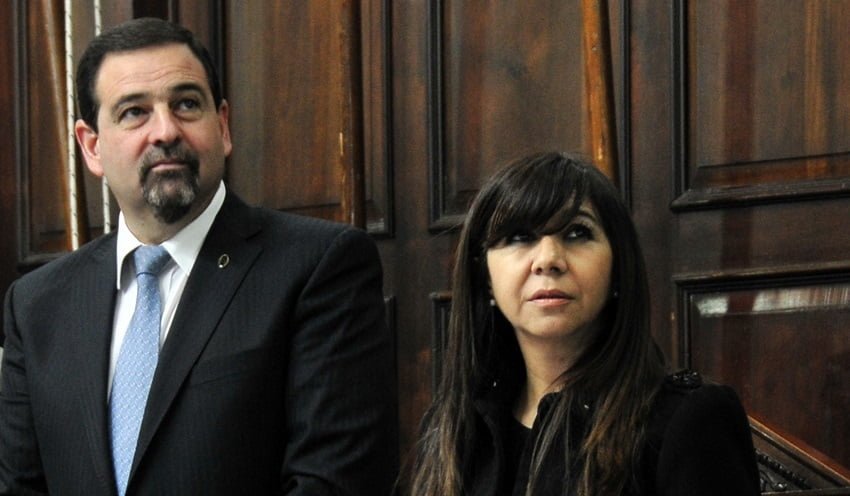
94, 302
208, 292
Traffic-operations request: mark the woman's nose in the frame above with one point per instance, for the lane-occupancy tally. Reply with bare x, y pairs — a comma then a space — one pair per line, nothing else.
550, 256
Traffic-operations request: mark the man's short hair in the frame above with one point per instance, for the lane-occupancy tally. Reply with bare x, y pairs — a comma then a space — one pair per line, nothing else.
134, 35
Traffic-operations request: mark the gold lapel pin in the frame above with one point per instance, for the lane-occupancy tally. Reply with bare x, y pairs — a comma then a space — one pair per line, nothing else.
223, 261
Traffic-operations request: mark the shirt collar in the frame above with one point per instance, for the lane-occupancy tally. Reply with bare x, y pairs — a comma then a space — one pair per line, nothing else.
183, 246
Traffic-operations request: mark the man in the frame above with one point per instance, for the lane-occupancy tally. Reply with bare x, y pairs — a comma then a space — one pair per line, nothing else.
273, 373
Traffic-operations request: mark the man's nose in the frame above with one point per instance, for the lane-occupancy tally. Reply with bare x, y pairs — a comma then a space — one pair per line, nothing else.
165, 128
549, 257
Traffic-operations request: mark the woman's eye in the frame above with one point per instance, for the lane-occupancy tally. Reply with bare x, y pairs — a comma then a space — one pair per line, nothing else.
578, 232
520, 237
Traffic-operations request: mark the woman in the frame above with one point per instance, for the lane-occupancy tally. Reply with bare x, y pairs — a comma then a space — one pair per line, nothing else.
551, 382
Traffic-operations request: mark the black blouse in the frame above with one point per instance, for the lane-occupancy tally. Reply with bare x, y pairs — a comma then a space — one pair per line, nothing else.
516, 437
698, 443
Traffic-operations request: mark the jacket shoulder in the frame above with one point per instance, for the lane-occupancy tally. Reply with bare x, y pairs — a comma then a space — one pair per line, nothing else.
96, 251
686, 390
300, 229
699, 432
685, 380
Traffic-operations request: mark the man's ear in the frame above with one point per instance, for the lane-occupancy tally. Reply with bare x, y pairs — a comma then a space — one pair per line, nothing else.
223, 120
89, 144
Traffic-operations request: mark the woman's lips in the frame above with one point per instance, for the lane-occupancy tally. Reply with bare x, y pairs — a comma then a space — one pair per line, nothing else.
550, 297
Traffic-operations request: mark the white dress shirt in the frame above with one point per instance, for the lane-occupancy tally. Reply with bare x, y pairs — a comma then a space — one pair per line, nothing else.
183, 248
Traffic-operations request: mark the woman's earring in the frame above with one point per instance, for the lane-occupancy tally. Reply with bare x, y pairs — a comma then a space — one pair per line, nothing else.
492, 302
615, 294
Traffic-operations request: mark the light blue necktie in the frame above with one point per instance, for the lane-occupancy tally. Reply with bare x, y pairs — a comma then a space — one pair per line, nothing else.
136, 362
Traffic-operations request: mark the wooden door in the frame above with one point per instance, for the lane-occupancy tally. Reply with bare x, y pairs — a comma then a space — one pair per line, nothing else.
740, 126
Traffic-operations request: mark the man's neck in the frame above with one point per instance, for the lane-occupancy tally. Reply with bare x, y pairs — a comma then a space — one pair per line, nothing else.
150, 229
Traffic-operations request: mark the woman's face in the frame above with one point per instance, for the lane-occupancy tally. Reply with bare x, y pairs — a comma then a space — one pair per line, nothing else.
552, 288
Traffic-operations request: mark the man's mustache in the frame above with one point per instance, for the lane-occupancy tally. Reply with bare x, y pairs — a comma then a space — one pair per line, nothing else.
178, 154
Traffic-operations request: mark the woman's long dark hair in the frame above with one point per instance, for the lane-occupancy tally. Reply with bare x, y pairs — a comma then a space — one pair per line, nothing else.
620, 369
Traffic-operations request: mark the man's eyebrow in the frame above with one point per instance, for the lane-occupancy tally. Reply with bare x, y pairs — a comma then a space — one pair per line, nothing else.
184, 87
132, 97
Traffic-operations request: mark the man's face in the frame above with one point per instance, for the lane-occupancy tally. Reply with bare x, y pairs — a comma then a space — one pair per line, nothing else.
161, 143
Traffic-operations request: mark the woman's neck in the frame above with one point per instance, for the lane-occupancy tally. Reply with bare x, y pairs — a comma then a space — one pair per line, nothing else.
544, 367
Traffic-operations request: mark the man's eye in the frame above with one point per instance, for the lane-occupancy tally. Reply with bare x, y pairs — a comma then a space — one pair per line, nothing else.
188, 104
131, 113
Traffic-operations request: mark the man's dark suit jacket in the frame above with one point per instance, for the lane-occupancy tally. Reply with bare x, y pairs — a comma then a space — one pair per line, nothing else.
276, 376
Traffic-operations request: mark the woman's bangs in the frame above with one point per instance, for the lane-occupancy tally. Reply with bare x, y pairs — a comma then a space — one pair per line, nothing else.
542, 202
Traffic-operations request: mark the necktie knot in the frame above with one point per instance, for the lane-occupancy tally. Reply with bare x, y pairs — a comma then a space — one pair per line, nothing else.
150, 259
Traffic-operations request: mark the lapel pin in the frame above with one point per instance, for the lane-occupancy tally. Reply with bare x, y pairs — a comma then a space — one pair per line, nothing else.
223, 261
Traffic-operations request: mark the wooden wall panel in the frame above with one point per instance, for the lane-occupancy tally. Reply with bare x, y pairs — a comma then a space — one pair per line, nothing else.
506, 79
41, 119
205, 19
766, 95
441, 304
43, 162
779, 343
650, 116
740, 198
289, 81
416, 263
286, 95
781, 238
9, 240
376, 57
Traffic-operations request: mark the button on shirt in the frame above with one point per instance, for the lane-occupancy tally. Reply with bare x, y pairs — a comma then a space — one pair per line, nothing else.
183, 248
